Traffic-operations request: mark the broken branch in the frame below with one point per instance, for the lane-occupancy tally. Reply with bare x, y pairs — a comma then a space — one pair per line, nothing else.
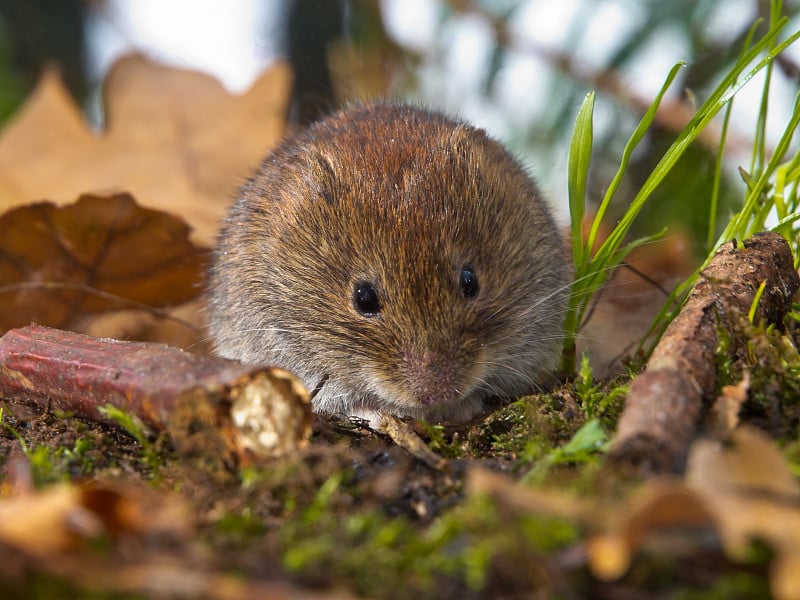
665, 403
208, 405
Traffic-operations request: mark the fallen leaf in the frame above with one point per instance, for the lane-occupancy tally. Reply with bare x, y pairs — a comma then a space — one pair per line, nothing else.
181, 326
662, 514
62, 517
58, 264
622, 311
749, 486
609, 556
741, 489
753, 494
175, 139
47, 523
517, 498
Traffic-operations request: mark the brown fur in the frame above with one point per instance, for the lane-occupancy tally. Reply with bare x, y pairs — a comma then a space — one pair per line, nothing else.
405, 199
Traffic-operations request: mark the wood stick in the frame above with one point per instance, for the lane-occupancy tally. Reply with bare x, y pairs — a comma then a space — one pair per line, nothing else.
665, 403
208, 405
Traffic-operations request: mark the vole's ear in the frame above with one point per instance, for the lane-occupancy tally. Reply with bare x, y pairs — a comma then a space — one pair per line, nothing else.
317, 178
460, 137
478, 149
468, 144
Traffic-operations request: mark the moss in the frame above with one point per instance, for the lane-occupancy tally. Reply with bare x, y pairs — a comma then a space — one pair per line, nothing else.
771, 359
392, 557
51, 587
359, 513
239, 528
733, 586
62, 448
444, 444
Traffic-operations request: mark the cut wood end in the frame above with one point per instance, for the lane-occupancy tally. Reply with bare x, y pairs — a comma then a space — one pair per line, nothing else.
272, 413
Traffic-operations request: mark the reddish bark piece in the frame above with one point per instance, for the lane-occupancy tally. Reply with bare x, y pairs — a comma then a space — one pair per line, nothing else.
665, 403
210, 406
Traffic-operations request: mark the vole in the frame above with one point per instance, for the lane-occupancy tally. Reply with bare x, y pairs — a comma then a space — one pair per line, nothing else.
397, 260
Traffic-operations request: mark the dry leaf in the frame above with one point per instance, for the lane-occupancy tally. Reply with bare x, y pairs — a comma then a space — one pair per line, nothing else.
175, 139
517, 498
754, 495
62, 517
182, 326
742, 487
60, 263
46, 523
748, 464
735, 492
622, 312
661, 514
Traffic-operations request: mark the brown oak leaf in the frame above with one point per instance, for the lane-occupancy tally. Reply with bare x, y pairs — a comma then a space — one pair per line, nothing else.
175, 139
100, 253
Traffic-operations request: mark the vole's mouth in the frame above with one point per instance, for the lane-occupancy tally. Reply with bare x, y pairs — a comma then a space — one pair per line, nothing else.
427, 398
426, 378
428, 381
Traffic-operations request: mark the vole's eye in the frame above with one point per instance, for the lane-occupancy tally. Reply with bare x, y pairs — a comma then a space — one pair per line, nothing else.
365, 299
468, 281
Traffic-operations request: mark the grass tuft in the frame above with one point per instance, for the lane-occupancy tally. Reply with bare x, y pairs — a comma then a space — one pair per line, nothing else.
771, 182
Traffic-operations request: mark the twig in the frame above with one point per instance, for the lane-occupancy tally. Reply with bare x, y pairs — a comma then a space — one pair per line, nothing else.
208, 405
665, 403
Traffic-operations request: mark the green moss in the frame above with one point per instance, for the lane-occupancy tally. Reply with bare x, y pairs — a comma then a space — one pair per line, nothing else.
51, 587
383, 556
526, 429
734, 586
603, 399
771, 359
129, 422
54, 463
441, 443
64, 448
239, 528
154, 452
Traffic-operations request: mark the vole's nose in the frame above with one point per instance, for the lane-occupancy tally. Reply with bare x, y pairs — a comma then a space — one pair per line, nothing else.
432, 376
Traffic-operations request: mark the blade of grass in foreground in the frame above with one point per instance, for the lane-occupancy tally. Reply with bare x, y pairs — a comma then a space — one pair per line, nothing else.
752, 217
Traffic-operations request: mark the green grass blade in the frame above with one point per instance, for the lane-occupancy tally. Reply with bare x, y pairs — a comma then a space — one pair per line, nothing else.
743, 225
592, 271
636, 137
707, 111
751, 314
580, 154
714, 202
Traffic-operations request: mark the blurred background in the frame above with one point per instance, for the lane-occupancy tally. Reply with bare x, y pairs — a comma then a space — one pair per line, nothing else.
519, 68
